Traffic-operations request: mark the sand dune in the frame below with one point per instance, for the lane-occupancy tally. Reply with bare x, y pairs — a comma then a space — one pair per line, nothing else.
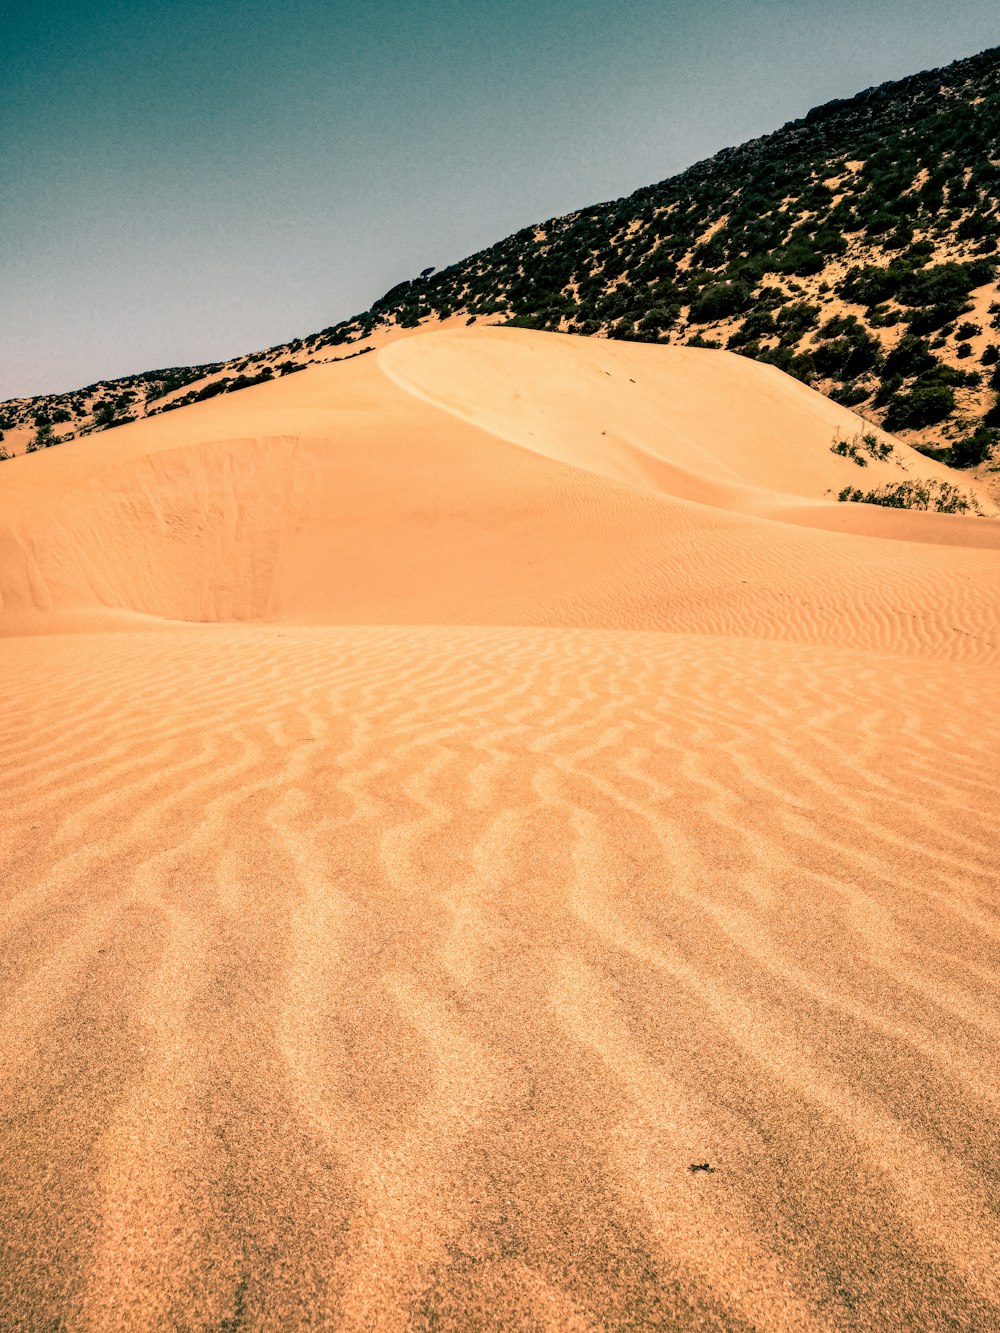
575, 795
491, 476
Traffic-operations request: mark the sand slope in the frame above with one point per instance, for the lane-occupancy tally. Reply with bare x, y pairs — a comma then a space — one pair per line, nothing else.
491, 476
575, 796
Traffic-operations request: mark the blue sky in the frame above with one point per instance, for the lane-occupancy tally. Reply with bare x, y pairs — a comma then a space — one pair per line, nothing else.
186, 181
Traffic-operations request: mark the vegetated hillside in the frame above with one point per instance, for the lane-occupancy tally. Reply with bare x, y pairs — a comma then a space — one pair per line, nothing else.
856, 248
51, 418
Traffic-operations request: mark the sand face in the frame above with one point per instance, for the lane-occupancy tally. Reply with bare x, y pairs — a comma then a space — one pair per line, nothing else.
573, 797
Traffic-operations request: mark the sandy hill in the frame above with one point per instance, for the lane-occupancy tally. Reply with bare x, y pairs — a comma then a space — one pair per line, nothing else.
855, 248
489, 841
483, 476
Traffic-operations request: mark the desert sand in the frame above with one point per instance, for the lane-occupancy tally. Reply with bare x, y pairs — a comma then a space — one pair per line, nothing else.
452, 793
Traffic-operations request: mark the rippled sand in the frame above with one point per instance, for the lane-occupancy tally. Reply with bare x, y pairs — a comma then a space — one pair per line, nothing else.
382, 976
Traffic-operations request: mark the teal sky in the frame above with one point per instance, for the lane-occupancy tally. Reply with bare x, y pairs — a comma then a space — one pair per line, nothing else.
185, 181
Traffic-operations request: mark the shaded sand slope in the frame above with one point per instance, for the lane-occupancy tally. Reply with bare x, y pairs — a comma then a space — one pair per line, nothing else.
393, 975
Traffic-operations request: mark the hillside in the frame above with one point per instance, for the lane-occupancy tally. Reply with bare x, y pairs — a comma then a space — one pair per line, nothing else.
855, 248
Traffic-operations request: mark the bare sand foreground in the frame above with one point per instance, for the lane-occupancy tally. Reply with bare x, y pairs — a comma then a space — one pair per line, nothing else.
559, 792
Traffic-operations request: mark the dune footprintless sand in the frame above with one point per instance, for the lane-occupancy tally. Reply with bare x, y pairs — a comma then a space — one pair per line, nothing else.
450, 795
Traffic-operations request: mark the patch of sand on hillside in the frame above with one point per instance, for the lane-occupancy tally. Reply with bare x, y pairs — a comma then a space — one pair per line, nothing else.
581, 799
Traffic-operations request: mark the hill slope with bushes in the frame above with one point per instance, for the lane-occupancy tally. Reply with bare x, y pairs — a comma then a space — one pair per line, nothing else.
856, 248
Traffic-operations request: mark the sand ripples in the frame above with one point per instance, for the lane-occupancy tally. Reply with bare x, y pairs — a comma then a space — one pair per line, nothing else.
396, 977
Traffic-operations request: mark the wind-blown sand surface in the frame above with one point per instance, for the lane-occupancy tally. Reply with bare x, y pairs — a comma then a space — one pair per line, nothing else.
574, 795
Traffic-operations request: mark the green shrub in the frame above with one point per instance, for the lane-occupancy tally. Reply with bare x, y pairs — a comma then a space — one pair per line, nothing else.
951, 375
940, 496
43, 438
800, 365
924, 405
928, 319
758, 324
910, 356
719, 300
872, 285
972, 450
849, 355
104, 414
973, 227
943, 284
215, 388
847, 449
899, 239
659, 318
795, 320
850, 395
802, 259
859, 448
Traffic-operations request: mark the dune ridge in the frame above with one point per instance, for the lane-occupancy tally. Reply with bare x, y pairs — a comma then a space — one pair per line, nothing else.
558, 810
